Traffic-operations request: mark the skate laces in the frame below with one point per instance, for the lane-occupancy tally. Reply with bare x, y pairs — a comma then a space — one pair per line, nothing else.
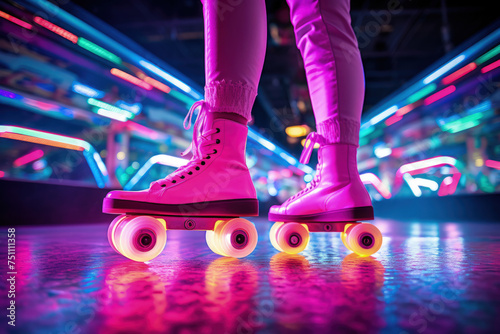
199, 145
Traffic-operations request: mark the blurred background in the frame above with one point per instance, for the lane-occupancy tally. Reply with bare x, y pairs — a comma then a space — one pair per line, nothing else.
93, 95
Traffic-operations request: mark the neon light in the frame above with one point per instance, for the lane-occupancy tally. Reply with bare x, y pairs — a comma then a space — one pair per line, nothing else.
308, 178
413, 187
382, 152
56, 29
463, 123
492, 164
163, 159
432, 185
112, 115
55, 140
422, 93
15, 20
297, 130
491, 66
39, 164
130, 78
383, 115
449, 184
158, 85
99, 51
134, 108
86, 90
165, 76
393, 119
291, 160
2, 173
30, 157
267, 144
366, 131
488, 55
107, 106
370, 178
9, 95
427, 163
459, 73
443, 69
439, 95
406, 109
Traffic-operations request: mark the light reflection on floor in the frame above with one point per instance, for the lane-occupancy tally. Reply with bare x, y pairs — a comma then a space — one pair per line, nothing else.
427, 278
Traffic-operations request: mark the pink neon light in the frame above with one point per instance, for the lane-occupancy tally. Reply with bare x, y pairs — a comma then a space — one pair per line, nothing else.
439, 95
56, 29
15, 20
393, 119
492, 164
491, 66
2, 173
449, 185
158, 85
370, 178
30, 157
130, 78
459, 73
406, 109
41, 105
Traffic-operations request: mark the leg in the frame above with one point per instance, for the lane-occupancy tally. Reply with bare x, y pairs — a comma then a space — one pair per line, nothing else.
336, 85
216, 180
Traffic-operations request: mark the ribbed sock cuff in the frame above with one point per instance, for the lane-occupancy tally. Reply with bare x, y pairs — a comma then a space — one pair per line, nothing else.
339, 130
230, 96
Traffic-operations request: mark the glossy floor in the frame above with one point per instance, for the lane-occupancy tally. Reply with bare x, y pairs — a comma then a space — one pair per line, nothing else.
427, 278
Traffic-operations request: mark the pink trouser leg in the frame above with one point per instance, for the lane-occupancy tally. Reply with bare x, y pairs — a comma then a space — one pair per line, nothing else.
333, 66
235, 45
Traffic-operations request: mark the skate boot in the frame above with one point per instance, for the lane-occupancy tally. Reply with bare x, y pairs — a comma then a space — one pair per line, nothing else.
332, 202
209, 193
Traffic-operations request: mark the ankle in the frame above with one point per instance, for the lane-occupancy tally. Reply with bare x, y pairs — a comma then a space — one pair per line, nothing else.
230, 116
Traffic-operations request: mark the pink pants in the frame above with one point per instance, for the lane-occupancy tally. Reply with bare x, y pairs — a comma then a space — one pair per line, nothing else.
235, 44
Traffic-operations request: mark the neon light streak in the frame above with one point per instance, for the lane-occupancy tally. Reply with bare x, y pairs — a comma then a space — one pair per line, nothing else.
443, 69
393, 119
370, 178
158, 85
449, 185
51, 139
162, 159
30, 157
459, 73
427, 163
382, 152
491, 66
99, 51
383, 115
86, 90
56, 29
130, 78
463, 123
413, 186
112, 115
15, 20
366, 131
488, 55
422, 93
107, 106
2, 173
166, 76
432, 185
9, 95
291, 160
406, 109
133, 108
439, 95
492, 164
264, 142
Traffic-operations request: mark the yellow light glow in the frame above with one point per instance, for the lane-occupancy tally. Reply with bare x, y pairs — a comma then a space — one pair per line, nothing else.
120, 155
297, 130
303, 142
479, 162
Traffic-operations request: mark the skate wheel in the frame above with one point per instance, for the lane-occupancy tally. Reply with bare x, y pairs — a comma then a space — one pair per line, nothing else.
141, 238
212, 242
292, 238
236, 238
112, 229
273, 234
343, 236
364, 239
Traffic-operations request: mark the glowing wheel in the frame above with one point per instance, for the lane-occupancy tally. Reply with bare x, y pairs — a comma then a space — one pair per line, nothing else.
235, 238
364, 239
292, 238
273, 234
139, 238
343, 236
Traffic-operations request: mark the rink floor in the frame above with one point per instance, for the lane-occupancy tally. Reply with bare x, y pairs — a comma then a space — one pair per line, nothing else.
427, 278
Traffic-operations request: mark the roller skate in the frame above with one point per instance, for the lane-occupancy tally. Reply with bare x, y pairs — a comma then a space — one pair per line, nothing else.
209, 193
334, 201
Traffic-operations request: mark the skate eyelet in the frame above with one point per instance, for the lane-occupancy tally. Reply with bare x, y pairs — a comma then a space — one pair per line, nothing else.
163, 185
215, 151
208, 157
174, 181
217, 141
190, 173
218, 130
182, 177
197, 168
203, 163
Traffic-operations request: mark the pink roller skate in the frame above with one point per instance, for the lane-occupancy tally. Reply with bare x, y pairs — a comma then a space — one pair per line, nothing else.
334, 201
209, 193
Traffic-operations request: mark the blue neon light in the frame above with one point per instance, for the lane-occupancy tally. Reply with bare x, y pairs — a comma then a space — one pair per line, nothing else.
443, 69
86, 90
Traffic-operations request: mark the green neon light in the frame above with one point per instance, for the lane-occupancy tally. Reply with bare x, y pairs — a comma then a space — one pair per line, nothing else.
422, 93
463, 123
107, 106
488, 55
186, 99
97, 50
366, 132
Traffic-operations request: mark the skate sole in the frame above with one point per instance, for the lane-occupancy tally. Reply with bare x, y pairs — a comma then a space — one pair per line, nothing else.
225, 208
343, 215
